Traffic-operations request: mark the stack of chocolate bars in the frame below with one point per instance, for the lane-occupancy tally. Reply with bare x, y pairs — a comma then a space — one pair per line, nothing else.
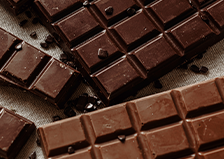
118, 47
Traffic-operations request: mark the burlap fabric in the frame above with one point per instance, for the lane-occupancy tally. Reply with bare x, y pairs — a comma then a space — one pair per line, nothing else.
41, 112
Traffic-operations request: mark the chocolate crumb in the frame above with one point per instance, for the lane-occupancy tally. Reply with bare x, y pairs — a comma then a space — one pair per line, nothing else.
19, 46
109, 10
195, 69
184, 66
44, 45
71, 150
49, 39
33, 34
56, 118
157, 84
82, 101
102, 54
69, 111
199, 56
33, 155
98, 102
38, 141
86, 3
93, 99
28, 14
35, 20
131, 11
89, 107
22, 23
203, 69
121, 138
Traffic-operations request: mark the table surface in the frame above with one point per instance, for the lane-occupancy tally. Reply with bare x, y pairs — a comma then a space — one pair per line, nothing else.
41, 112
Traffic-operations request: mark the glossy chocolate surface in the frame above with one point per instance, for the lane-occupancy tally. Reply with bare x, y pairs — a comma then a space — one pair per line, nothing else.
185, 123
29, 68
14, 132
144, 39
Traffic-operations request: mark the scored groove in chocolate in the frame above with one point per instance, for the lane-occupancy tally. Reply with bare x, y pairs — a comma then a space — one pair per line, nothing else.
33, 70
199, 136
153, 19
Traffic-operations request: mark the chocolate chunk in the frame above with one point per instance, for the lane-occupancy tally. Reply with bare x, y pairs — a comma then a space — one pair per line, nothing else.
93, 99
19, 46
195, 69
109, 10
41, 74
81, 102
203, 69
69, 112
56, 118
102, 54
35, 20
71, 150
131, 11
33, 34
157, 84
22, 23
49, 39
28, 14
33, 155
89, 107
15, 130
121, 138
44, 45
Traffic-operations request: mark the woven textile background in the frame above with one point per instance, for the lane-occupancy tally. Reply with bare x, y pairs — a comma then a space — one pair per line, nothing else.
41, 112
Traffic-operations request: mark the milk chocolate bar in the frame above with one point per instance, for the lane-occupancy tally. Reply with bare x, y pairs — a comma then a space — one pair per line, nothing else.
15, 130
123, 45
17, 6
184, 123
31, 69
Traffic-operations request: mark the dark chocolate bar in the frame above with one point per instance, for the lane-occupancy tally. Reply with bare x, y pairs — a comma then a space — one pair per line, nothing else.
31, 69
17, 6
123, 45
15, 130
184, 123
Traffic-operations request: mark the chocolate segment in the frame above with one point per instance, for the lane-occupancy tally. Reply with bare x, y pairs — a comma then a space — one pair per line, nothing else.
144, 39
185, 123
14, 133
33, 70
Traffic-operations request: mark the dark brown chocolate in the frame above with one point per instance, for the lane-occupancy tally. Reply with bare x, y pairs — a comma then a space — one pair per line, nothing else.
17, 6
29, 68
14, 133
184, 123
122, 45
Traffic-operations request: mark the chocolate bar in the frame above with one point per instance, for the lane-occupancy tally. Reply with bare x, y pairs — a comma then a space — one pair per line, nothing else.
184, 123
15, 130
31, 69
123, 45
17, 6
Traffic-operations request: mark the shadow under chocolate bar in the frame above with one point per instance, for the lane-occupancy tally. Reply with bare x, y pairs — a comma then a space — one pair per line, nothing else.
17, 6
183, 123
31, 69
15, 130
122, 45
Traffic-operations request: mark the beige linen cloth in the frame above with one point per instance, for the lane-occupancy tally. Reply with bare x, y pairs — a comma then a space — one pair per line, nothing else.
41, 112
